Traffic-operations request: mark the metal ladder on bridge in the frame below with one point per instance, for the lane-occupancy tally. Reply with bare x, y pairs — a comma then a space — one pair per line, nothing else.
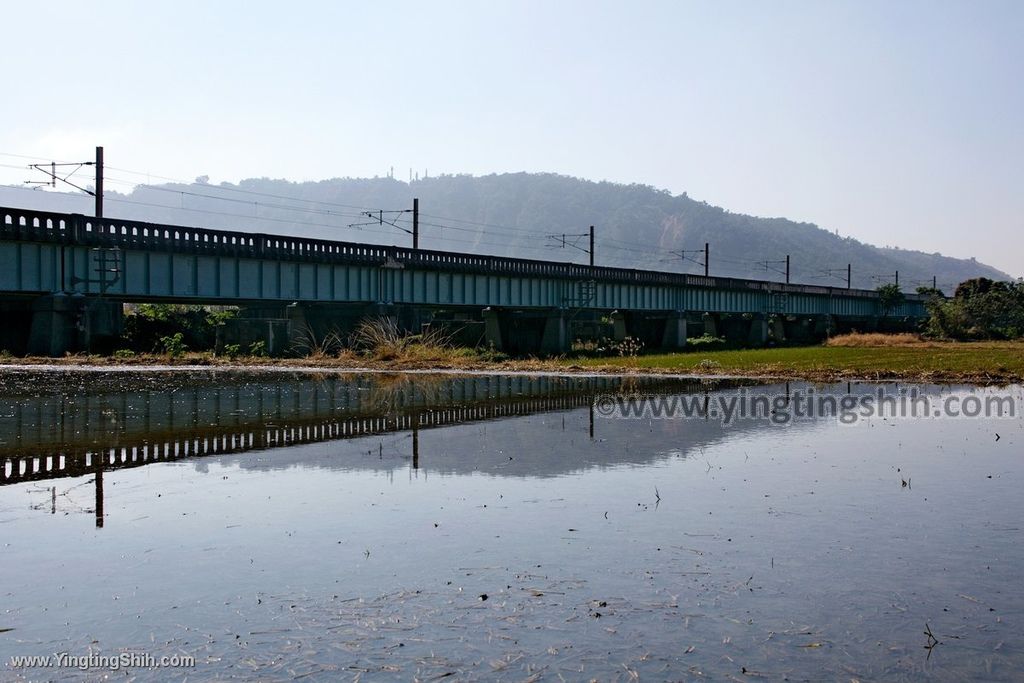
107, 266
586, 291
778, 303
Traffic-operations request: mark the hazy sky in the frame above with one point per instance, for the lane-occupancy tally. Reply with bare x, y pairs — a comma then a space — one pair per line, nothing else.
899, 123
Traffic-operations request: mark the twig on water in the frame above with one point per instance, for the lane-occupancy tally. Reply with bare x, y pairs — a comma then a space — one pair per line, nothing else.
932, 640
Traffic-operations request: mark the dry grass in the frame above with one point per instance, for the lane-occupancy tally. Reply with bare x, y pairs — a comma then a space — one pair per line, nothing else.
394, 391
876, 339
307, 343
381, 340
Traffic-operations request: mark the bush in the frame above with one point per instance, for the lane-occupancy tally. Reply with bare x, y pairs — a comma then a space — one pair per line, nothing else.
174, 345
980, 309
492, 355
124, 353
258, 348
147, 325
232, 350
630, 346
705, 342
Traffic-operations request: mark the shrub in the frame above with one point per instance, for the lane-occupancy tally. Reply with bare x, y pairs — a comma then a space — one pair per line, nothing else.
258, 348
706, 342
174, 345
147, 324
980, 309
628, 347
124, 353
492, 355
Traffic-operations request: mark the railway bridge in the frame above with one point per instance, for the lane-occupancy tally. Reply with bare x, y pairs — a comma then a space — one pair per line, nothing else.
64, 279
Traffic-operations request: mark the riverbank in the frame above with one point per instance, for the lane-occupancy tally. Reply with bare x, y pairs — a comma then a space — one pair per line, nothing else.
977, 362
885, 358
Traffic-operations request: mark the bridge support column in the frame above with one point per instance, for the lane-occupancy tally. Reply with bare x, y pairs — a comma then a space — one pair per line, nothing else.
555, 339
271, 325
300, 333
777, 329
801, 330
619, 325
824, 326
674, 336
710, 325
17, 317
54, 329
492, 328
758, 335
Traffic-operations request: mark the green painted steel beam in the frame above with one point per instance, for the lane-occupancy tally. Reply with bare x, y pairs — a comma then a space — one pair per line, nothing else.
175, 263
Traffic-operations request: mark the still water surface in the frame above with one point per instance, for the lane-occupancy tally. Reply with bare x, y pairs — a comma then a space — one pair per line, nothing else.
332, 527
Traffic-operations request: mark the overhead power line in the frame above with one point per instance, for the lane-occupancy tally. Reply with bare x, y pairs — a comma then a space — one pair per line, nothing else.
384, 219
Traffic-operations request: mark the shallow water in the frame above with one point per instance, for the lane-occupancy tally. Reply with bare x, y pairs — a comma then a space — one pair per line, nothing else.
325, 527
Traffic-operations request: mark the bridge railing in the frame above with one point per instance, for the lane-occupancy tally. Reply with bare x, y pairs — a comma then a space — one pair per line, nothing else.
76, 229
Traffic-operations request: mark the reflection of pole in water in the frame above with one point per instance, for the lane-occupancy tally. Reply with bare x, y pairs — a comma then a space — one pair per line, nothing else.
99, 493
591, 420
53, 500
416, 441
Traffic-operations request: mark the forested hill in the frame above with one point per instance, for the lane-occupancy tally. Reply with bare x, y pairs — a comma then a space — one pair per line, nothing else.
512, 214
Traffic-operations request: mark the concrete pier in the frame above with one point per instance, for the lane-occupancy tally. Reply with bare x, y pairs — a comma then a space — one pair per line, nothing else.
758, 335
492, 329
674, 336
64, 323
556, 332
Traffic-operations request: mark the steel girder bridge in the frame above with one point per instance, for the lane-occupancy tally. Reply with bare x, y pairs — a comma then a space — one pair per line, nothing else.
47, 257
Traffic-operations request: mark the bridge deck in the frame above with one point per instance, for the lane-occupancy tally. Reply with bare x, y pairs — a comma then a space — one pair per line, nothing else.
47, 252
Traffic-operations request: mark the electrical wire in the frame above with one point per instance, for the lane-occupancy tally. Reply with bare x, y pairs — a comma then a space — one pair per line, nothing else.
228, 188
513, 233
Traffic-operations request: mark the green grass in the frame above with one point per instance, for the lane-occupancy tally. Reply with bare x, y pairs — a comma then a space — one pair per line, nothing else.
997, 360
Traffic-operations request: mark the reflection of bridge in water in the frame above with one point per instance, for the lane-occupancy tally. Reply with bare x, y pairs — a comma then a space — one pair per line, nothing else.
82, 427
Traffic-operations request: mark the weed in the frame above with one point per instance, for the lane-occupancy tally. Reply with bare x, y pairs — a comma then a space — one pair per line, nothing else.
311, 345
258, 348
855, 339
174, 345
